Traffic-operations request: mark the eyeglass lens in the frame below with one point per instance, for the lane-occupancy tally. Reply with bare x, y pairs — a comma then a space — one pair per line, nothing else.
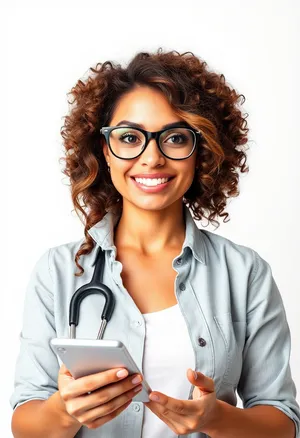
127, 142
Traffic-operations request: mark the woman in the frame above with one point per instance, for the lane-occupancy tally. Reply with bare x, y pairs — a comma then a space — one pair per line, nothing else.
145, 145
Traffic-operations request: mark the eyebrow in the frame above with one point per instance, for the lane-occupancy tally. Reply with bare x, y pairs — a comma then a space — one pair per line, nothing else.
167, 126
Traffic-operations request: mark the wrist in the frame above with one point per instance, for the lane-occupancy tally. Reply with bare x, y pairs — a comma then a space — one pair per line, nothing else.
67, 421
211, 426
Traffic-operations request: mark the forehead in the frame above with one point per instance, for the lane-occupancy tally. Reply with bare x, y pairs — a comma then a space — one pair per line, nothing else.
146, 107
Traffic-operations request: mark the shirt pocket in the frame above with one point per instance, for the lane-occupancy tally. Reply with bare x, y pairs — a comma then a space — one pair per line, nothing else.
229, 341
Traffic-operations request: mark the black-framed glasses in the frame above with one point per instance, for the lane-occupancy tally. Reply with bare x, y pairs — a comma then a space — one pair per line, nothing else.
127, 142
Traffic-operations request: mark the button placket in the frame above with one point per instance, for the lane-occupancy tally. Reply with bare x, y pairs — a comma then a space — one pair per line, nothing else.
115, 270
198, 328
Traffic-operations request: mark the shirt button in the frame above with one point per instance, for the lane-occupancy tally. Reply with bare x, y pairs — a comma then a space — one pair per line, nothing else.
182, 286
201, 342
136, 407
179, 261
136, 323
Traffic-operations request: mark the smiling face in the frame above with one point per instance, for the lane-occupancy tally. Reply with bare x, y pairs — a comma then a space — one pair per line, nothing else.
151, 110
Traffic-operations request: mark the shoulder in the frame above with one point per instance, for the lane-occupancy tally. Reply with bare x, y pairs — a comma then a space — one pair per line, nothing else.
224, 251
62, 256
242, 267
219, 243
66, 249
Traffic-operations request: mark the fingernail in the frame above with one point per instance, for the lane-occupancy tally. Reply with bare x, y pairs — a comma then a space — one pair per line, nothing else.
138, 388
154, 397
122, 373
195, 374
137, 379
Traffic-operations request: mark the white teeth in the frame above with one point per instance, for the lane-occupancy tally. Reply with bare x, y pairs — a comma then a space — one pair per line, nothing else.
151, 181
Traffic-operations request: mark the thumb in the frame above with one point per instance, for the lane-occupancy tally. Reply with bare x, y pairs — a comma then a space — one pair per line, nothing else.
64, 373
203, 383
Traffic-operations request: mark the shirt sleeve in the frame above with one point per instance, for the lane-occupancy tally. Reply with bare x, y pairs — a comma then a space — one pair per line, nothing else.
37, 367
266, 375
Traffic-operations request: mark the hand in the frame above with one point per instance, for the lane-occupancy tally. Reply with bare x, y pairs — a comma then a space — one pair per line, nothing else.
188, 416
98, 398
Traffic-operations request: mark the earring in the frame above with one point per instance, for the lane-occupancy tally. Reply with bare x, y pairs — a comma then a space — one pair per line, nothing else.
108, 168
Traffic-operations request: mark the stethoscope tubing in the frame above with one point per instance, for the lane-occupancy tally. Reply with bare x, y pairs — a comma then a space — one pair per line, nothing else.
95, 286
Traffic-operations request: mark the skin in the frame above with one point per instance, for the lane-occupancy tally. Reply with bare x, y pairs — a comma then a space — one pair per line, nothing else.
109, 396
153, 223
150, 222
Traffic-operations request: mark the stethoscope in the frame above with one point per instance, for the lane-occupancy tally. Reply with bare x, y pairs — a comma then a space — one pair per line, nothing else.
95, 286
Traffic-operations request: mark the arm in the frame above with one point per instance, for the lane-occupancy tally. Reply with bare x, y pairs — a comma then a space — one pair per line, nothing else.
258, 421
38, 408
53, 420
266, 376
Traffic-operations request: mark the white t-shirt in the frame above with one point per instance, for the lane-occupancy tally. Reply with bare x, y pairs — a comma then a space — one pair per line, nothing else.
168, 354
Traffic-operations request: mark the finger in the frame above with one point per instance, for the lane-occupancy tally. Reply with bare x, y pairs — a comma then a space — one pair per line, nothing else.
90, 383
186, 407
158, 411
205, 384
102, 410
103, 395
179, 407
196, 409
63, 371
102, 420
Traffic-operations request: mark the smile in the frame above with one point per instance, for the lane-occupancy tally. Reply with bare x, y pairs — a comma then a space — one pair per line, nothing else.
151, 185
151, 181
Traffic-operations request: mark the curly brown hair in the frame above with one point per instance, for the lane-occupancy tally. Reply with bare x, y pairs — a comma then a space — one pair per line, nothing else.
199, 96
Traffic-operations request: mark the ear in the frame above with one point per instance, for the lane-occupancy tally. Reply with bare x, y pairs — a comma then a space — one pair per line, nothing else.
105, 151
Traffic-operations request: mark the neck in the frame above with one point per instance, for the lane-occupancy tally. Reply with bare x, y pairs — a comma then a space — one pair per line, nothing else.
150, 231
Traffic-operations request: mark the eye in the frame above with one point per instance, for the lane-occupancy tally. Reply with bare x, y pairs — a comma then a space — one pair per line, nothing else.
181, 137
127, 136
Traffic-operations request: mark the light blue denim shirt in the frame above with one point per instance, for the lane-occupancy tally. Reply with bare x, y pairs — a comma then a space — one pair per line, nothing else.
229, 300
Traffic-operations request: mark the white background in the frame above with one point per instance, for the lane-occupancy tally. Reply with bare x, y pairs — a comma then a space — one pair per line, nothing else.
47, 49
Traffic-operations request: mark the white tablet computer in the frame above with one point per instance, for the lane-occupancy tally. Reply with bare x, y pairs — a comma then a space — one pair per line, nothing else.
89, 356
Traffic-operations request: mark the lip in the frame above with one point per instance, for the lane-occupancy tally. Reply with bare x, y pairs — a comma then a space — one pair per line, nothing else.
151, 189
152, 175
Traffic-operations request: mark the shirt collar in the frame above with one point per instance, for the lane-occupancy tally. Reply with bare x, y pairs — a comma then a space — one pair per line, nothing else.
103, 233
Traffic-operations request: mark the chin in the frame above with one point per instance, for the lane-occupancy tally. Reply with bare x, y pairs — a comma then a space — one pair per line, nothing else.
155, 205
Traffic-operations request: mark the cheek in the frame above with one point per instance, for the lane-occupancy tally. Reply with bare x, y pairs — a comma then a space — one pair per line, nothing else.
188, 173
120, 175
186, 183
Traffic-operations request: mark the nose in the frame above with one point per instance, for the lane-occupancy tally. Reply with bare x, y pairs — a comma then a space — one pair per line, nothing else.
152, 155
